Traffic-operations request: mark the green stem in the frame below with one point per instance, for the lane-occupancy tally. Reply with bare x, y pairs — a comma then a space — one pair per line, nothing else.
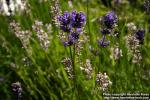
88, 24
72, 56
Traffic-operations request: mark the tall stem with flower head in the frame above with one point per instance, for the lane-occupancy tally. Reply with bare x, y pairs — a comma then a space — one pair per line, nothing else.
71, 23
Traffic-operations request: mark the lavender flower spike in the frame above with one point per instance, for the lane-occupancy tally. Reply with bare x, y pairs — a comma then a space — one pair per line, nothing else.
77, 19
65, 22
102, 42
110, 19
71, 23
73, 38
140, 35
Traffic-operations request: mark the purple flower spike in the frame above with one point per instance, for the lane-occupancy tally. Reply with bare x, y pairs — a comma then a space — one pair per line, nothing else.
103, 43
71, 23
77, 19
140, 35
65, 22
110, 20
67, 43
74, 37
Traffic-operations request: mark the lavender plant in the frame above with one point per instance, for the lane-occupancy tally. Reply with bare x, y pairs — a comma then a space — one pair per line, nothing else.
56, 11
71, 26
23, 35
42, 35
133, 42
108, 22
88, 71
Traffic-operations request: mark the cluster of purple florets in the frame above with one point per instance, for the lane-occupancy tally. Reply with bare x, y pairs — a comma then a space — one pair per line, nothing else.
72, 23
110, 19
108, 23
140, 35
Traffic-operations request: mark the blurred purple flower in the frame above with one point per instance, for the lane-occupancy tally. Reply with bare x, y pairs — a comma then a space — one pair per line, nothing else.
102, 42
72, 23
73, 38
73, 20
140, 35
110, 19
77, 19
108, 23
65, 22
67, 43
1, 79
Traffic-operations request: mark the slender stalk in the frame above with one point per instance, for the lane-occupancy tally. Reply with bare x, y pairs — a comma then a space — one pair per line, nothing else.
72, 56
88, 24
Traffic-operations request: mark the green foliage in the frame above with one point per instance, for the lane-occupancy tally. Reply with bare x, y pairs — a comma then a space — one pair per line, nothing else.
44, 78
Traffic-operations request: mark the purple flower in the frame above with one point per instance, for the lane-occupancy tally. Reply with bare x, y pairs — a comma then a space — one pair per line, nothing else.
110, 19
65, 22
140, 35
77, 19
67, 43
73, 38
73, 20
102, 42
72, 23
1, 79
